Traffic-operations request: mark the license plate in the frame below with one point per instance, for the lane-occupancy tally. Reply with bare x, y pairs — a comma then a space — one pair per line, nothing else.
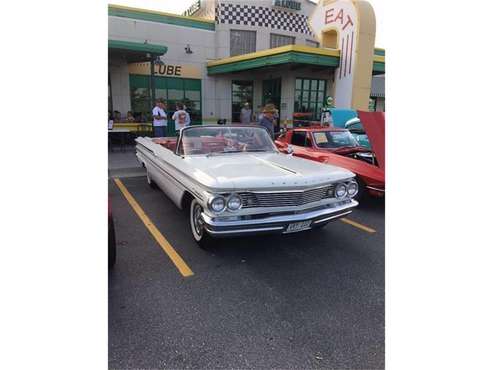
298, 226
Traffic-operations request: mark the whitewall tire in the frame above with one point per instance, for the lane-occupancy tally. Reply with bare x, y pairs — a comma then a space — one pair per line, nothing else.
199, 233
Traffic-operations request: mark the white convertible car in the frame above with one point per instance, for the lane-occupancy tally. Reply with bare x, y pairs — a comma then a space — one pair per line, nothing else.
233, 181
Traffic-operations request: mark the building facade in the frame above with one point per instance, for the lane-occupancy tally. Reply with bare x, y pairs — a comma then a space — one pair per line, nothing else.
220, 55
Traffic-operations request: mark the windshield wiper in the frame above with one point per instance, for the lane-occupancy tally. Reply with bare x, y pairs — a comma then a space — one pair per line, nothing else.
257, 150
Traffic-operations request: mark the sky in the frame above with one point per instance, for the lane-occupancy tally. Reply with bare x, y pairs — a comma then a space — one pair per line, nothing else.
178, 6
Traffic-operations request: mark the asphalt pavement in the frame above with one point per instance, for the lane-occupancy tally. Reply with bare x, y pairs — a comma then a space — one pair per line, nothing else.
308, 300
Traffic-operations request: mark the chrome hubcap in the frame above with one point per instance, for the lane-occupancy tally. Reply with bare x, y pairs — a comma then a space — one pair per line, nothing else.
198, 224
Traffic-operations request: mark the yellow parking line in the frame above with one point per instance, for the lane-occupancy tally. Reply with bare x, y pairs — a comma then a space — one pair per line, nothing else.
358, 225
170, 251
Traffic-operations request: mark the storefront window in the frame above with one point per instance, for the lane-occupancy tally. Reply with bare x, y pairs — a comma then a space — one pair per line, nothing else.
309, 99
313, 44
242, 42
280, 40
140, 96
172, 90
242, 92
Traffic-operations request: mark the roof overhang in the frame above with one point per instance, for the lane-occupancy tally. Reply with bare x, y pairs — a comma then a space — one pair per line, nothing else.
161, 17
289, 54
139, 47
135, 51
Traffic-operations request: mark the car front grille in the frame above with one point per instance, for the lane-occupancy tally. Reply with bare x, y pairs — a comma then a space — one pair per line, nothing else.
286, 198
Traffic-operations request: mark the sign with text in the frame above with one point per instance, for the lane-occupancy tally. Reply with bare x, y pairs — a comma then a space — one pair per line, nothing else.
350, 27
195, 7
166, 70
287, 4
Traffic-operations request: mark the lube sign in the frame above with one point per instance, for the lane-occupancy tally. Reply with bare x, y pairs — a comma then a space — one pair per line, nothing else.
165, 70
287, 4
350, 27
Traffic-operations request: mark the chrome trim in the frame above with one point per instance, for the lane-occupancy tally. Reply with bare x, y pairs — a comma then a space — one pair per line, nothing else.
377, 189
345, 191
227, 201
295, 190
347, 188
328, 211
332, 217
265, 229
209, 203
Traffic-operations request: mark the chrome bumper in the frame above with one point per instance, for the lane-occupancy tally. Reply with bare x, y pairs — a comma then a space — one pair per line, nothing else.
275, 224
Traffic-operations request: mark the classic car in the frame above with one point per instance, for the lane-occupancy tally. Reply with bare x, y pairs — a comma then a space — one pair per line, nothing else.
337, 147
232, 180
356, 129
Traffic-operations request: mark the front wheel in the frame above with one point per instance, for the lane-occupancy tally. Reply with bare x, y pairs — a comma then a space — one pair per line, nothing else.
199, 233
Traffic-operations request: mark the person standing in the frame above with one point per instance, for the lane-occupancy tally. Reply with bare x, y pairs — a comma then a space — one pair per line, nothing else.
181, 117
246, 113
327, 118
160, 122
267, 119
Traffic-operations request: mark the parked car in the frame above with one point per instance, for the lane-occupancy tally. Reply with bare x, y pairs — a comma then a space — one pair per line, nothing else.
337, 147
232, 181
357, 130
111, 239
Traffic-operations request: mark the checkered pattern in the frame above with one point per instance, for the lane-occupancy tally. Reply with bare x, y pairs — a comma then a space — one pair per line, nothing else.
259, 16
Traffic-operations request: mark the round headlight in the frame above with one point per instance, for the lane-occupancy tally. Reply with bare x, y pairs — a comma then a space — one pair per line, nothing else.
352, 188
234, 202
218, 204
341, 191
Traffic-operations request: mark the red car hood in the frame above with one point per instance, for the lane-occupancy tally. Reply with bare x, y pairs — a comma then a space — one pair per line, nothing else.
370, 173
374, 125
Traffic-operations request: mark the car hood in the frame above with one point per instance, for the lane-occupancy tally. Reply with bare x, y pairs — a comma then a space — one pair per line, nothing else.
374, 124
362, 169
260, 171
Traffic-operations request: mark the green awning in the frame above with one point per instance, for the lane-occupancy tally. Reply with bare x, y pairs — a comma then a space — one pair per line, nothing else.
289, 54
137, 47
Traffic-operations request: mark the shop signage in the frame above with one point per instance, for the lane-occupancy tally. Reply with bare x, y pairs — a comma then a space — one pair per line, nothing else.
166, 70
287, 4
349, 26
192, 9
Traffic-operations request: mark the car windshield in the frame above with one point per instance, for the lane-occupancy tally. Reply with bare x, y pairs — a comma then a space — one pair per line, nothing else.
225, 139
334, 139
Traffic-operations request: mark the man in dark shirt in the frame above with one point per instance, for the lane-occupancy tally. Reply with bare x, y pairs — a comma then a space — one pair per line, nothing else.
267, 119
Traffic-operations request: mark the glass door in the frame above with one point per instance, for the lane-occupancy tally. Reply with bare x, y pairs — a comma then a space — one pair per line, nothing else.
271, 94
242, 92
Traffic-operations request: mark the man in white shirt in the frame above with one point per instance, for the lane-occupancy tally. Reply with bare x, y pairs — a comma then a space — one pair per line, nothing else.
181, 117
246, 113
160, 122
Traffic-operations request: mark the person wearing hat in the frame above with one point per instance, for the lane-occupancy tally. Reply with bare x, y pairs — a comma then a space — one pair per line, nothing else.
246, 113
267, 119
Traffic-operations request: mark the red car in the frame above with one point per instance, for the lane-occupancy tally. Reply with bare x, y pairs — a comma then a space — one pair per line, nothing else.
338, 147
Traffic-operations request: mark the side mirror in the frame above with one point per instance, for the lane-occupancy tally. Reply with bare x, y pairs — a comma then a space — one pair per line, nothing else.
290, 150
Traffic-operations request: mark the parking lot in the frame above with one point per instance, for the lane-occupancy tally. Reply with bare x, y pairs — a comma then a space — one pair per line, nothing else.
307, 300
